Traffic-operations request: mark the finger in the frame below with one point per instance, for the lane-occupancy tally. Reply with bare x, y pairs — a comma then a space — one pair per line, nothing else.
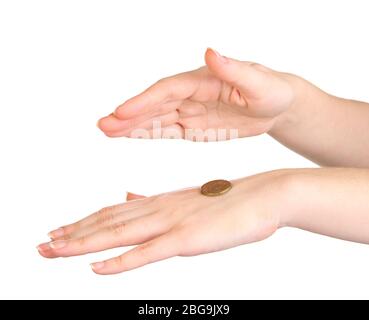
108, 221
173, 131
145, 127
112, 123
160, 248
104, 214
246, 76
178, 87
133, 196
127, 233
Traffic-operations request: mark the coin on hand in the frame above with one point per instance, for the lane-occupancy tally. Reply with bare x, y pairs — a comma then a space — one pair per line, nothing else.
215, 188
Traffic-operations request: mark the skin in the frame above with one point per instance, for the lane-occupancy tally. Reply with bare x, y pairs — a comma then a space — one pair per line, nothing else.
227, 93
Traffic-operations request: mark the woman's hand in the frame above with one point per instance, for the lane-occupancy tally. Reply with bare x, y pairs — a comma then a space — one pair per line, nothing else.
225, 94
181, 223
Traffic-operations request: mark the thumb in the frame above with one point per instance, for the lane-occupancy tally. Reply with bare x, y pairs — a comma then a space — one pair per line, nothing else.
132, 196
250, 78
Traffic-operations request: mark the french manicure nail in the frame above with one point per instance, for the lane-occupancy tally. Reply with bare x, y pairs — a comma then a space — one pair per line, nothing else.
58, 244
56, 233
97, 265
219, 56
43, 246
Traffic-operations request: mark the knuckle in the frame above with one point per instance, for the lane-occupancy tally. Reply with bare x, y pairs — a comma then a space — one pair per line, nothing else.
118, 228
66, 237
118, 261
82, 241
253, 64
143, 251
71, 227
105, 215
259, 67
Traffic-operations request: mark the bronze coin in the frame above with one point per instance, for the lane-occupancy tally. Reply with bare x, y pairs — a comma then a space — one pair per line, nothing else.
215, 188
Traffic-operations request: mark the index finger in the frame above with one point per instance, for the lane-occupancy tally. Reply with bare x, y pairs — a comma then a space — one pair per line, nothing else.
174, 88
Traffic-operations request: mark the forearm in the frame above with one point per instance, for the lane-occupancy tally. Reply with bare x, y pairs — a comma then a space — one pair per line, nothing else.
329, 201
328, 130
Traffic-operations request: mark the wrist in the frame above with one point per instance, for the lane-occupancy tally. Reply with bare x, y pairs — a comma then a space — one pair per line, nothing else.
305, 103
291, 195
282, 194
290, 116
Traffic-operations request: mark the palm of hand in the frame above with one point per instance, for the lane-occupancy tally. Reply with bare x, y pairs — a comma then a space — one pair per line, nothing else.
201, 100
218, 105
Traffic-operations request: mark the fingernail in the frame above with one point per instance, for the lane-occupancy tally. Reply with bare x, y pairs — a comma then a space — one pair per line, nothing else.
56, 233
219, 56
97, 265
116, 111
43, 246
58, 244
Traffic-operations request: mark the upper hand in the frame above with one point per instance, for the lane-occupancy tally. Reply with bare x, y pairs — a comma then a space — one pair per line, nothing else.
224, 94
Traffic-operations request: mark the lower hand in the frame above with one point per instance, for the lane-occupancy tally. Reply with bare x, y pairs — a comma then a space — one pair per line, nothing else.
181, 223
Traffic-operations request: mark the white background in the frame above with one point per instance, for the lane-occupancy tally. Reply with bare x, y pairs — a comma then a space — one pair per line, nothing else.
63, 64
